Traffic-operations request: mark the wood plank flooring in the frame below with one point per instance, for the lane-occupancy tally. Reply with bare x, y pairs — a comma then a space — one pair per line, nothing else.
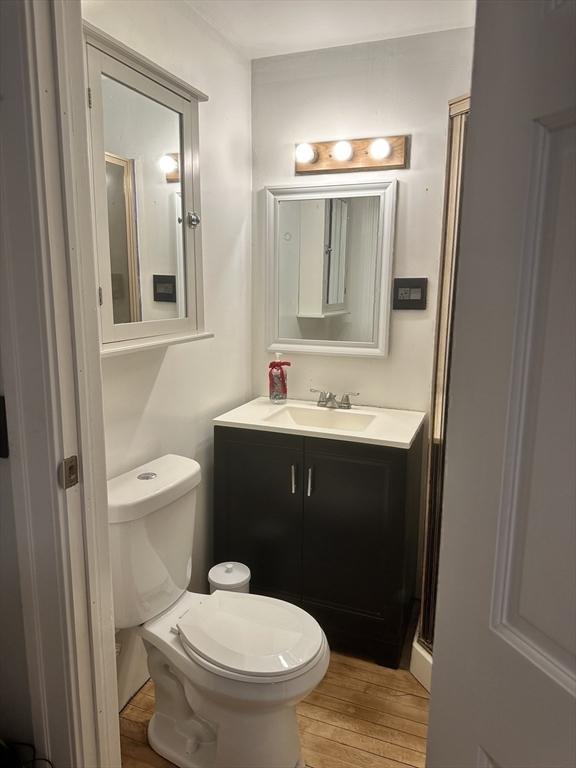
360, 716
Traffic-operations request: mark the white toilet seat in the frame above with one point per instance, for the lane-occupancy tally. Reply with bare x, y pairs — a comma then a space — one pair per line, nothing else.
250, 635
228, 675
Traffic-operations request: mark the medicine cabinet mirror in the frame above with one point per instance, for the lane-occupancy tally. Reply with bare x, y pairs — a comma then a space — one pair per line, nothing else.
329, 258
144, 128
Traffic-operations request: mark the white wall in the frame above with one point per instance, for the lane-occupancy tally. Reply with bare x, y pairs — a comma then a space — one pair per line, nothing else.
162, 401
385, 88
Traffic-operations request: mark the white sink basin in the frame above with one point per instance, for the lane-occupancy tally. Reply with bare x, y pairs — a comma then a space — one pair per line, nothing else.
361, 424
323, 418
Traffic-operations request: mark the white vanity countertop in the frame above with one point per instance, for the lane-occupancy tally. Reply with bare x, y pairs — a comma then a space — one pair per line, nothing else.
360, 424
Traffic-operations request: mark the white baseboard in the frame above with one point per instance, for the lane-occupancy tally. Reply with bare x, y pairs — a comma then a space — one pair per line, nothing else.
421, 665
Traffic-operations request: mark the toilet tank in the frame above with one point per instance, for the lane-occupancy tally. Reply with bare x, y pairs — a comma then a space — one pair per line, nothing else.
151, 523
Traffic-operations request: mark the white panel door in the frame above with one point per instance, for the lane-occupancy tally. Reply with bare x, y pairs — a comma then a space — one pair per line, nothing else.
503, 684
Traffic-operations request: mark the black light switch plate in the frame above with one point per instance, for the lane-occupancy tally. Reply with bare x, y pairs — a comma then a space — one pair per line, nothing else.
164, 287
410, 292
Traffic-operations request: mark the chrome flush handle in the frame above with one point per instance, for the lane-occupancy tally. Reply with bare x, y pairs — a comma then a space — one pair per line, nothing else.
293, 477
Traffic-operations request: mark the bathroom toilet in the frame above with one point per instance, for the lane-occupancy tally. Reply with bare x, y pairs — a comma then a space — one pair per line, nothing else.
229, 668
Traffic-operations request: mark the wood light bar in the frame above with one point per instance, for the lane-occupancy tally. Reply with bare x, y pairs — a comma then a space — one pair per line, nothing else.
325, 161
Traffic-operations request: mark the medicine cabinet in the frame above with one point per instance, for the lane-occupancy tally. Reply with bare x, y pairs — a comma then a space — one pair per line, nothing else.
145, 175
329, 261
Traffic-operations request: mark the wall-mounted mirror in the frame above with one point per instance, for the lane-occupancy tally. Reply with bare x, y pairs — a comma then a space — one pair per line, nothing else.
145, 174
329, 257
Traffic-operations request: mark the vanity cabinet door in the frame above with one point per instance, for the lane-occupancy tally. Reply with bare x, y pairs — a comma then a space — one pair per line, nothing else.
258, 506
353, 551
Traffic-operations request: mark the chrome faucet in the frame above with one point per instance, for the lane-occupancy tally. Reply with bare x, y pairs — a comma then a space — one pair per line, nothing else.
331, 401
328, 399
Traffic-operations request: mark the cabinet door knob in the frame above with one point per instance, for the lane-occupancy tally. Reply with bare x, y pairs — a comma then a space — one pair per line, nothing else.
309, 488
293, 478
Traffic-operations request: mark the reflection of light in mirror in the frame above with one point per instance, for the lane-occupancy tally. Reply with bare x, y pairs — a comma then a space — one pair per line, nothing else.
305, 153
167, 164
380, 149
343, 150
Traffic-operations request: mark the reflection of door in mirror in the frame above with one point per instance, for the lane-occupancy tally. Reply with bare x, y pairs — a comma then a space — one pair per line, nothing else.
336, 229
149, 134
322, 226
122, 230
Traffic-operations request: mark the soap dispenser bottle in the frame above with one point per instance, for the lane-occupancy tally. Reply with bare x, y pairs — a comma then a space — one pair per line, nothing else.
277, 379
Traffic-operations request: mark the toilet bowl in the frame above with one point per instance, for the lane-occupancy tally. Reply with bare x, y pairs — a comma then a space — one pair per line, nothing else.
229, 668
228, 698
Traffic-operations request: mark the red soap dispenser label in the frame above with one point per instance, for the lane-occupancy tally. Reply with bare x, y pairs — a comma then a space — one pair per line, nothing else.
277, 381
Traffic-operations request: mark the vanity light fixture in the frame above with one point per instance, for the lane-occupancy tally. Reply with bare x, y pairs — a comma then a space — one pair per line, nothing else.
305, 153
379, 153
343, 151
380, 149
168, 163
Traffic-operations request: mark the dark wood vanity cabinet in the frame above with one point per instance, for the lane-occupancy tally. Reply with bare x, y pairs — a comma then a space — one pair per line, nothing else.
329, 525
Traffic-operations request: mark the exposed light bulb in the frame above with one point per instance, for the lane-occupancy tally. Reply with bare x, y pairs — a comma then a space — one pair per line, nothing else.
167, 164
380, 149
342, 151
305, 153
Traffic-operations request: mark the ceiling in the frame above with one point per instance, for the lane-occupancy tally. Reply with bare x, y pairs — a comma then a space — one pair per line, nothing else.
273, 27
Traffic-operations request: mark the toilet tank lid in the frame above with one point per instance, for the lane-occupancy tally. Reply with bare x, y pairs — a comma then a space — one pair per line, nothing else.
150, 487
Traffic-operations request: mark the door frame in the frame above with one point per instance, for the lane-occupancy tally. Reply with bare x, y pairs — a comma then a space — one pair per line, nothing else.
422, 656
458, 115
50, 349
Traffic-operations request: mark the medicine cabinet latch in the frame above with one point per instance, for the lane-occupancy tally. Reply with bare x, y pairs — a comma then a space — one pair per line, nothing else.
68, 472
193, 219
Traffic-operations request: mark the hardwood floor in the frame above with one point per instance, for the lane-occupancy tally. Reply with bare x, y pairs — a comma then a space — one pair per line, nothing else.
360, 716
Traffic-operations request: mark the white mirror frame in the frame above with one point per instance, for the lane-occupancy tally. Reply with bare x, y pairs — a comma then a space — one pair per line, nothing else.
378, 347
138, 72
